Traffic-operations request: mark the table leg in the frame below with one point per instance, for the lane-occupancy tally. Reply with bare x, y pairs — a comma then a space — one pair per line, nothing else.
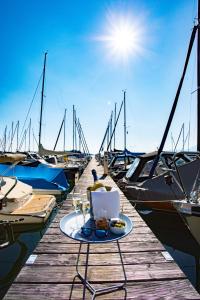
120, 254
77, 261
87, 285
86, 268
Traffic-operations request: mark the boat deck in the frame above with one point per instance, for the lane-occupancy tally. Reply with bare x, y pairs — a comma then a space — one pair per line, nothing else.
149, 274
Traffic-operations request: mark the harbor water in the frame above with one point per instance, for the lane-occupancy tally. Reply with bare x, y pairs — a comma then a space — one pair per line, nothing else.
13, 257
175, 236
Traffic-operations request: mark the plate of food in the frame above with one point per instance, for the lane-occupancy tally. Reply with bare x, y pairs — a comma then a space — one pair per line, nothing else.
117, 226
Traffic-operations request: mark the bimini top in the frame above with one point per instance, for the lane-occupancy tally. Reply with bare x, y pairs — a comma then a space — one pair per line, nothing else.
11, 157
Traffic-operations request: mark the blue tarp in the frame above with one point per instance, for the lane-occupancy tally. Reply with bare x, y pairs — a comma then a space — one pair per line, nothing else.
127, 152
40, 177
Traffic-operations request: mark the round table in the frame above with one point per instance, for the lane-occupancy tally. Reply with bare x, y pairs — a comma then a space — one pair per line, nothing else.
71, 225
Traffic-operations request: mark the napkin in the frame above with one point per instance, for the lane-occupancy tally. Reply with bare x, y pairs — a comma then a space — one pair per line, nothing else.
105, 204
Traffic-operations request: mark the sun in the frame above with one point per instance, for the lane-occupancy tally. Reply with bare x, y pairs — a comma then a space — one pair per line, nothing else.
123, 37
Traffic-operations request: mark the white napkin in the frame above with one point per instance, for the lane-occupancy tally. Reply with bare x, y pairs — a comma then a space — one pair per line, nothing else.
106, 204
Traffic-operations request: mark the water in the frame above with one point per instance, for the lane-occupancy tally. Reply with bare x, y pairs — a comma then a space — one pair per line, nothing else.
175, 236
13, 257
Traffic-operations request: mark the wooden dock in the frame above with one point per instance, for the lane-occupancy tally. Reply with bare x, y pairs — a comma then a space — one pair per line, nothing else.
149, 275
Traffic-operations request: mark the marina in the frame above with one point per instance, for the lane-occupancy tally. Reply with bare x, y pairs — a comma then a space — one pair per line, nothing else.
100, 150
148, 272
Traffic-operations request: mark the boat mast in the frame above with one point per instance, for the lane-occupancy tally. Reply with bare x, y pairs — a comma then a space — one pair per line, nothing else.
29, 136
173, 109
115, 124
61, 126
5, 138
42, 98
11, 136
64, 129
198, 79
75, 139
115, 115
73, 126
111, 120
124, 120
17, 135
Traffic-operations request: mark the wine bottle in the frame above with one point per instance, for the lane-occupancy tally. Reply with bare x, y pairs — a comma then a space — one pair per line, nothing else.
97, 186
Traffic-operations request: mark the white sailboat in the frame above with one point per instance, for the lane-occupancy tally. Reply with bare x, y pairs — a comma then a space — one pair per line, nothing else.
18, 205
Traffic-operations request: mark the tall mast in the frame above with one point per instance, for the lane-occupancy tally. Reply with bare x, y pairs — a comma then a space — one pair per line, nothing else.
64, 129
42, 98
198, 79
73, 128
108, 136
114, 125
61, 126
75, 140
29, 136
11, 136
17, 136
111, 120
115, 115
124, 120
5, 138
160, 149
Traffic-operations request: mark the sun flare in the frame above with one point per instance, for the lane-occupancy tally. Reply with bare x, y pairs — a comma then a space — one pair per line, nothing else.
124, 37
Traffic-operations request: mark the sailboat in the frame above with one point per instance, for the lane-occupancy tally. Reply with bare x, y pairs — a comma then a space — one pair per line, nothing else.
71, 168
18, 205
43, 178
158, 191
157, 179
189, 208
120, 163
177, 188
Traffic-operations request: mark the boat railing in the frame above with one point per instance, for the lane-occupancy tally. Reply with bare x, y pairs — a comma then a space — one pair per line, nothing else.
3, 201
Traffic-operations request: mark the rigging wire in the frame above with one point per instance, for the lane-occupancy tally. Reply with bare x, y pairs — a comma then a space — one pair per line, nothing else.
178, 138
35, 138
31, 105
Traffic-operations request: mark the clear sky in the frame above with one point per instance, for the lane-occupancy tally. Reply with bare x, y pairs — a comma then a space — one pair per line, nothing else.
83, 69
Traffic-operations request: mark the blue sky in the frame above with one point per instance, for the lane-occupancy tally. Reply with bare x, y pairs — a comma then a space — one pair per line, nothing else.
82, 71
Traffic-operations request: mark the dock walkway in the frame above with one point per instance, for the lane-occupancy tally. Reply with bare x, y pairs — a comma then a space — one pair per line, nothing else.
149, 275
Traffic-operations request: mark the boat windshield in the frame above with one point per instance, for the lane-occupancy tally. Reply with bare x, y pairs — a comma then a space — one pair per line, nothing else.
120, 161
146, 169
133, 167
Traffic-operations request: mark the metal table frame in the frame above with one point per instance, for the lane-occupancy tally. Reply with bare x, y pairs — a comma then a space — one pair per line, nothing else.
83, 278
86, 283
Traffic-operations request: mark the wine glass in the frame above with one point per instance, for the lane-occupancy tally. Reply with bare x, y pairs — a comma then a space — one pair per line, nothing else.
77, 204
85, 208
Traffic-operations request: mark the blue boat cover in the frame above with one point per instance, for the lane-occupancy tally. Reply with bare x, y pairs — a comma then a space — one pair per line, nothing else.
127, 152
40, 177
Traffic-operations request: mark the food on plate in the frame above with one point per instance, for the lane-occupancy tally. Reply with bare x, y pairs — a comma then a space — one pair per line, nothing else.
117, 226
102, 223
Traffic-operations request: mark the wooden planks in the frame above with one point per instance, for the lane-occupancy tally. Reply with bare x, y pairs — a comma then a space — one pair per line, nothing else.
176, 289
149, 275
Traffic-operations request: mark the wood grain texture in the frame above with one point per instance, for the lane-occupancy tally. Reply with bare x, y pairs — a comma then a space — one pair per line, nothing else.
149, 275
169, 290
99, 274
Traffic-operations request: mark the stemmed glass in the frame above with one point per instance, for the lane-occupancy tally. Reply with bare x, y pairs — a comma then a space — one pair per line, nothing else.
85, 208
77, 204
